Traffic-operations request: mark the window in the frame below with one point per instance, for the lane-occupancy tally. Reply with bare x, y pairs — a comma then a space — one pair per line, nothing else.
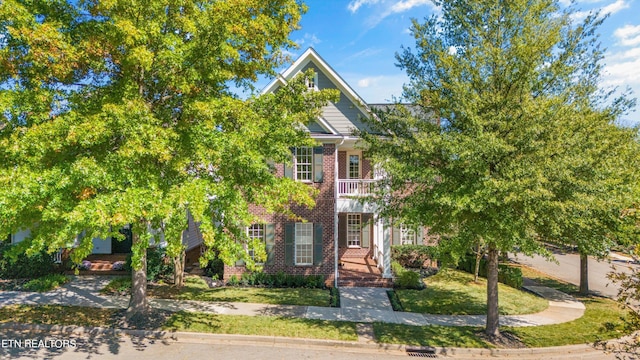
304, 244
407, 235
255, 232
353, 230
354, 166
312, 83
303, 163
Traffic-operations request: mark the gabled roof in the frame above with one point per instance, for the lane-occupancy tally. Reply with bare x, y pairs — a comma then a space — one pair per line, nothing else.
311, 56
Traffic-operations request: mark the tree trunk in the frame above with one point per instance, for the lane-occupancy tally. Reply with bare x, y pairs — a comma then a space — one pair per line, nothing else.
178, 269
493, 321
138, 303
584, 274
478, 258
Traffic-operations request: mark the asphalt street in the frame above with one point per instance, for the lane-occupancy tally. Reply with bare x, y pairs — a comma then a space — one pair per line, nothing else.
567, 268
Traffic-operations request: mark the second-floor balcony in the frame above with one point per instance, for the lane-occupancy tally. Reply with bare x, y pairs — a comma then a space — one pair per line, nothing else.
355, 187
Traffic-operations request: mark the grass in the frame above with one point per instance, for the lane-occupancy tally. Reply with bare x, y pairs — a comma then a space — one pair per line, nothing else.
602, 319
196, 288
452, 336
46, 283
56, 315
117, 286
453, 292
265, 326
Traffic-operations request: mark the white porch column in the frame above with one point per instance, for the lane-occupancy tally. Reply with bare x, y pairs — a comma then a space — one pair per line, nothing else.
386, 250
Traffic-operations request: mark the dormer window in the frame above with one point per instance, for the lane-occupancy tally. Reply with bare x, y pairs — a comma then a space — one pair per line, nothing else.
312, 83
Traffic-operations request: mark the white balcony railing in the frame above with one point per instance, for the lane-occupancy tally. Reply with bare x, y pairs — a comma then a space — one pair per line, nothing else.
355, 187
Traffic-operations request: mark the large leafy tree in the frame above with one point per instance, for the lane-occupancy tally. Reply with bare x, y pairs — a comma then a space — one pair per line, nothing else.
120, 112
499, 144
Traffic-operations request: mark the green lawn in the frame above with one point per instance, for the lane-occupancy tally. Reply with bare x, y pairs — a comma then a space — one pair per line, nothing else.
57, 315
262, 325
197, 289
451, 336
453, 292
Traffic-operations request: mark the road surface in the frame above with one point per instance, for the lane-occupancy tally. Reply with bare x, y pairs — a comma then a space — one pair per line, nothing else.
568, 269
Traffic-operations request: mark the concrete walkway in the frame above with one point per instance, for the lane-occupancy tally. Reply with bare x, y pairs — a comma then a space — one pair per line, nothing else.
364, 305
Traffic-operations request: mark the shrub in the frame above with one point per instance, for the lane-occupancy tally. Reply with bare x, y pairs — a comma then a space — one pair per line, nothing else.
412, 256
214, 268
396, 268
46, 283
334, 297
409, 280
394, 300
158, 264
24, 266
507, 274
233, 281
280, 280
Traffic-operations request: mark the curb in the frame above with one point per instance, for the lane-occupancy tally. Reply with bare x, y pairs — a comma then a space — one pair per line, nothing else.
569, 351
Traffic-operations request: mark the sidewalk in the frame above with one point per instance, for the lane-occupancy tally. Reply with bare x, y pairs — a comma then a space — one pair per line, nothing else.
365, 305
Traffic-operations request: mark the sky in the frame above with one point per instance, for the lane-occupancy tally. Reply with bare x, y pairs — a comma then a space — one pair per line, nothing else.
359, 40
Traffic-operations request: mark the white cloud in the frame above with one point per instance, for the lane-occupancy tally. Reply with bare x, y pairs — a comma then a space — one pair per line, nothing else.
628, 35
371, 51
622, 69
308, 39
615, 7
379, 88
384, 8
356, 4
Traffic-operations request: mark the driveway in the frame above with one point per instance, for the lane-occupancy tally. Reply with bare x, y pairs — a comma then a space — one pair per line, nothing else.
567, 268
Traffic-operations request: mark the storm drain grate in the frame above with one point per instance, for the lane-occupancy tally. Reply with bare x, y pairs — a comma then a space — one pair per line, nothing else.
425, 353
420, 354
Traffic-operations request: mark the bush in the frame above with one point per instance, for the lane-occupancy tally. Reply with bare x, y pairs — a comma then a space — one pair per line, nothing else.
406, 279
507, 274
394, 300
409, 280
158, 264
24, 267
334, 297
280, 280
412, 256
46, 283
214, 268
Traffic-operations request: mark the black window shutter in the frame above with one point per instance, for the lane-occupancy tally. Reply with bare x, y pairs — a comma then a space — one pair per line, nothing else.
317, 244
270, 243
288, 171
289, 242
318, 172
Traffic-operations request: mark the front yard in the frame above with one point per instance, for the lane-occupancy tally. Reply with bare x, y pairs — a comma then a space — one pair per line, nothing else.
453, 292
196, 288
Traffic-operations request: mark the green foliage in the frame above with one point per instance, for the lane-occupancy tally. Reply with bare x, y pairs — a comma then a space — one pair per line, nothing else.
214, 268
507, 274
406, 279
394, 300
508, 142
117, 286
113, 114
23, 266
334, 297
46, 283
278, 280
412, 256
158, 264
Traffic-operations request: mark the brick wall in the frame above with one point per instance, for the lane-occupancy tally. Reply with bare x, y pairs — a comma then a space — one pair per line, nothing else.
322, 213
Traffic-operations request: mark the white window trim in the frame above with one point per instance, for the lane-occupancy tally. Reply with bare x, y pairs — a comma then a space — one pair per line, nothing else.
315, 82
406, 231
295, 164
263, 230
350, 243
309, 227
359, 153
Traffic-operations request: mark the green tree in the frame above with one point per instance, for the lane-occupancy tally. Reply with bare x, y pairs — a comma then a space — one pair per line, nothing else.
497, 90
120, 112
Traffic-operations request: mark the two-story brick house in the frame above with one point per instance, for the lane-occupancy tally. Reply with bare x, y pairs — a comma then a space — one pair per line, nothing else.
343, 238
